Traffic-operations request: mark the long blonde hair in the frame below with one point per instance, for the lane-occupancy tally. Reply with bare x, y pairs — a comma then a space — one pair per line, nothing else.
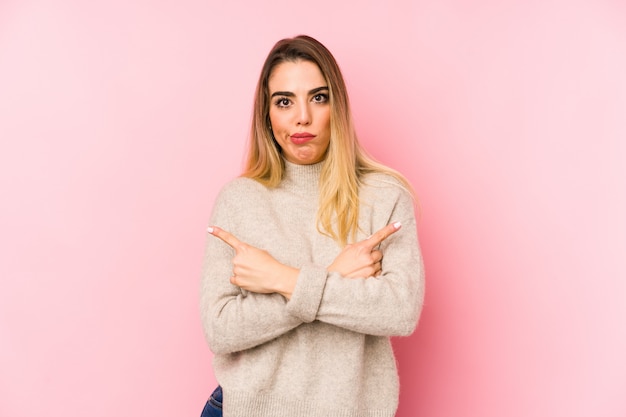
346, 161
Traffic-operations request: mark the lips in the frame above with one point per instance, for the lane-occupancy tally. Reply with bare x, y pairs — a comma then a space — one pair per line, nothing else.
300, 138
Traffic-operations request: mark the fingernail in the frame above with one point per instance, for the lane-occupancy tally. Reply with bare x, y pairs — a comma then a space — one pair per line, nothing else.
209, 229
397, 225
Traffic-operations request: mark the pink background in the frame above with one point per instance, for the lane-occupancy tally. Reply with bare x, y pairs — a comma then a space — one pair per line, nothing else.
120, 120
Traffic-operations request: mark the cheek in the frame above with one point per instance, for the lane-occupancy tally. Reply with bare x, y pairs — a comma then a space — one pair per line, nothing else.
326, 120
277, 122
322, 115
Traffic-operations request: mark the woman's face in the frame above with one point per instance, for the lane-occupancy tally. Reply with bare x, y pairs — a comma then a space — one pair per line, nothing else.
300, 111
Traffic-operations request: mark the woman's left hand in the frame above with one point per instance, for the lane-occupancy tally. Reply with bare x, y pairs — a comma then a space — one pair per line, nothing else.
361, 259
255, 269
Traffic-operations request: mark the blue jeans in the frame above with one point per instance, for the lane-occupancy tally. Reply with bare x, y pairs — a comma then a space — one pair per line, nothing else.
213, 407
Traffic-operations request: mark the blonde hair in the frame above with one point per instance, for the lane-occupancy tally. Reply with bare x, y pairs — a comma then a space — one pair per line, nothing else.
346, 162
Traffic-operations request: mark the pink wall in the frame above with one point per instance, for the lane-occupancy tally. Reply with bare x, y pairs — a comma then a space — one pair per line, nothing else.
120, 120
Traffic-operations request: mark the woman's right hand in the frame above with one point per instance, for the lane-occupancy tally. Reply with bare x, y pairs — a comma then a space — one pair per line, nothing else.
361, 259
255, 269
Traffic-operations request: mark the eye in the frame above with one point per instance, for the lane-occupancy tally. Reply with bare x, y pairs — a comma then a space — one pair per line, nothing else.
282, 102
320, 98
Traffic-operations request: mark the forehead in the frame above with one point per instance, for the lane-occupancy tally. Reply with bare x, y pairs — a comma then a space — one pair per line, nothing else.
295, 75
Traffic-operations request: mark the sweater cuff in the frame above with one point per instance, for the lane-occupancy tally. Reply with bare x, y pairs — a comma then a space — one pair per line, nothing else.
307, 295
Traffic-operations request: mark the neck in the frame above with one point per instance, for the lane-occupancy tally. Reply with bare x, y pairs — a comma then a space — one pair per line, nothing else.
303, 177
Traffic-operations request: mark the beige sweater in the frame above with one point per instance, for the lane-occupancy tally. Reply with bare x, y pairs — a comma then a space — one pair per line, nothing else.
326, 352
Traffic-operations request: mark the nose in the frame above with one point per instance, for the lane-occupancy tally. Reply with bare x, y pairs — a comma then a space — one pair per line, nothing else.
304, 115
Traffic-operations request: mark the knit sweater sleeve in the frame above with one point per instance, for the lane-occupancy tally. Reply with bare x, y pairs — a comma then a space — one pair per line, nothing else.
233, 319
387, 305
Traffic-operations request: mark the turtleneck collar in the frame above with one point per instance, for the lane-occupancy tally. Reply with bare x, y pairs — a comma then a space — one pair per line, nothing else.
302, 177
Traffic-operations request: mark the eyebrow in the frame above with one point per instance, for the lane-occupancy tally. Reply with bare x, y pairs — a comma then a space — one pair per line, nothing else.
290, 94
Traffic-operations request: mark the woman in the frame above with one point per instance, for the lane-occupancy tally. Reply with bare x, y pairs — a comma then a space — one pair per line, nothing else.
297, 302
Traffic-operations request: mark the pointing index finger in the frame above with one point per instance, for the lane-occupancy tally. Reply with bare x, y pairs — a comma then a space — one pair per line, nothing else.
226, 237
378, 237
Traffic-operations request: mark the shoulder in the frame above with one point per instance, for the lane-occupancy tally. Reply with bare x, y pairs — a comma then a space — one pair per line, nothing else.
384, 192
240, 187
384, 199
237, 193
384, 185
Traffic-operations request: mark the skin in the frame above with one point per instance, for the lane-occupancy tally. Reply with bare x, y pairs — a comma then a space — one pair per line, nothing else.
299, 103
257, 271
